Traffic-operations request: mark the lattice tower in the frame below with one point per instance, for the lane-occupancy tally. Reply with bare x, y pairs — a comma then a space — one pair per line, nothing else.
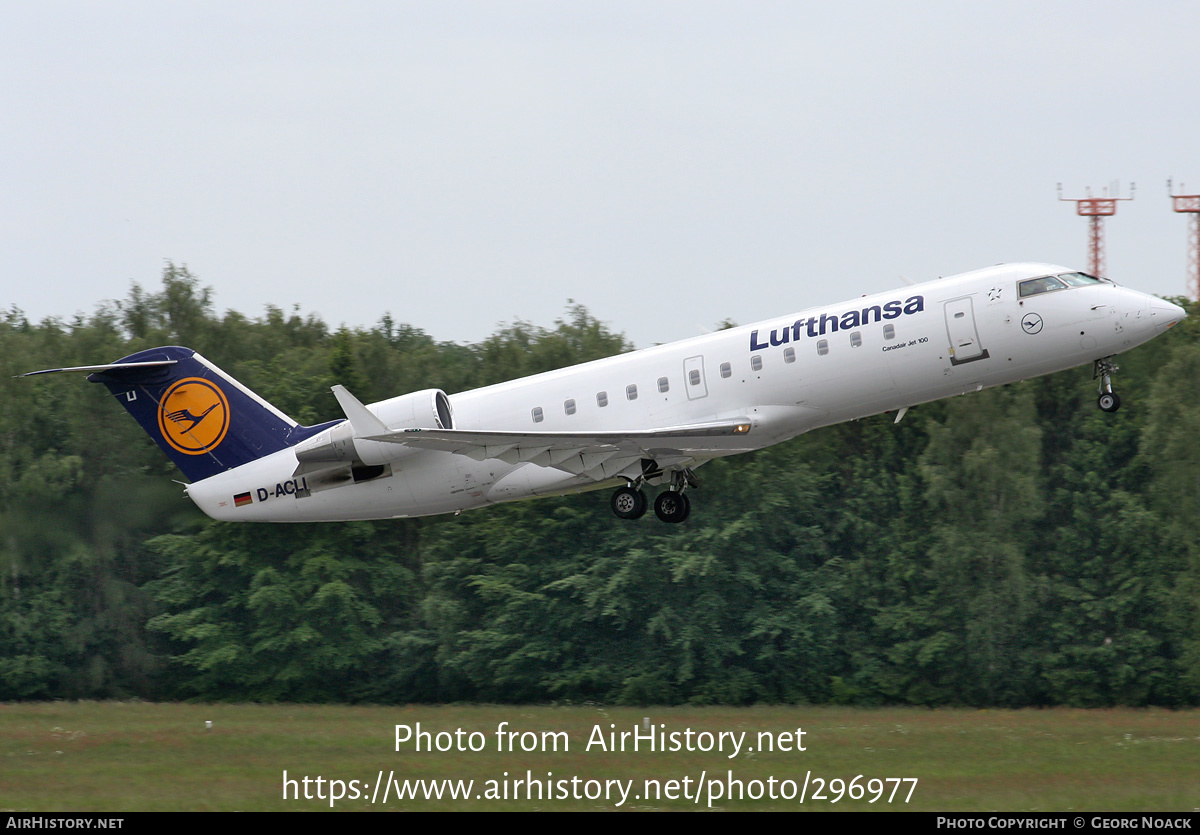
1095, 209
1190, 204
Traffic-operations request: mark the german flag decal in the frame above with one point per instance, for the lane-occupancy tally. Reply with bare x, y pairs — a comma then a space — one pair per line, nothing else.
242, 499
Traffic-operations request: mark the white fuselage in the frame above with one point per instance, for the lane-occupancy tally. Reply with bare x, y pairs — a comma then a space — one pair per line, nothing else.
787, 375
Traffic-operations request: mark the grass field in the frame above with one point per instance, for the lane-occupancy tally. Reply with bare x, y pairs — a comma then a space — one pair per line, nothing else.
93, 756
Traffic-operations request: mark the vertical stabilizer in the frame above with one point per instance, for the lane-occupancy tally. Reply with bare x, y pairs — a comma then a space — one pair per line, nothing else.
203, 419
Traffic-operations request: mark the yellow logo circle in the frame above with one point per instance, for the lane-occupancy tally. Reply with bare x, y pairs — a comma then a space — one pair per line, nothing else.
193, 416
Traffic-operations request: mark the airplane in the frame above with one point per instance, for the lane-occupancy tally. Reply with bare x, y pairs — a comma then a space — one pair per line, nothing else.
646, 418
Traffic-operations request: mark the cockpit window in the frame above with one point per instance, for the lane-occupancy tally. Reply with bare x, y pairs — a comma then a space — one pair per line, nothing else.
1079, 279
1045, 284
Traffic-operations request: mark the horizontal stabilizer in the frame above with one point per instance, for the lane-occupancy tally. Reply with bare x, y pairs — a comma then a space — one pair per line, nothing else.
114, 366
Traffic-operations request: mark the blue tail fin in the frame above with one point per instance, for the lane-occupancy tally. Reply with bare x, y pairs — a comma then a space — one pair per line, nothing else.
202, 418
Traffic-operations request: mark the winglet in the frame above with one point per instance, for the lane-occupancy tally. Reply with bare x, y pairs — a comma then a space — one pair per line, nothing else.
362, 421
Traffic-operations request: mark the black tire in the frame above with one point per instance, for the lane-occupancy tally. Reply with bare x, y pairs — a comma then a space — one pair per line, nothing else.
628, 503
1109, 402
672, 507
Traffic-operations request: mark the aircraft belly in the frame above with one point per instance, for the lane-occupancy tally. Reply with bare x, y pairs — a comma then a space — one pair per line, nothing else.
293, 500
526, 480
266, 491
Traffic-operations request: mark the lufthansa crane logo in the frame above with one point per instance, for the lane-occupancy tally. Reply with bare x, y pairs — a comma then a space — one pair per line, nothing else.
193, 416
1032, 323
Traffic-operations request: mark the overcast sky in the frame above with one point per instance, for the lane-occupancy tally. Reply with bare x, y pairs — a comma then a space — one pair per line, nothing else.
667, 164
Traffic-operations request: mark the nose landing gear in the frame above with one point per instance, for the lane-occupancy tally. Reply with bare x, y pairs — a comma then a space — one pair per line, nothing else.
1109, 401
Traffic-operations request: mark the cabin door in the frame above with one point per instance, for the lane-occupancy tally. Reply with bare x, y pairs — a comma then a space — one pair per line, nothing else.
964, 336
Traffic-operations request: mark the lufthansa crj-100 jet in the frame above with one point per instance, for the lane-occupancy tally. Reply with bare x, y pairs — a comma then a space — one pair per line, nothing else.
648, 417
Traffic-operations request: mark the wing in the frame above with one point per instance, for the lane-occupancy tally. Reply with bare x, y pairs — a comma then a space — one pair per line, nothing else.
598, 455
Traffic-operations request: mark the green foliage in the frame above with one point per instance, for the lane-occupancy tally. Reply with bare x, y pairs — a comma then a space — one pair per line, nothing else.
1013, 547
286, 617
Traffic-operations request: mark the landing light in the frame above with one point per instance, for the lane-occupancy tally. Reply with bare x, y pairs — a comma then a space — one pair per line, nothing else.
741, 429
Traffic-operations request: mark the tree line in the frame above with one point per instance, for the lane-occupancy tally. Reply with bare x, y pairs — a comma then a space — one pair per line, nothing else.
1011, 547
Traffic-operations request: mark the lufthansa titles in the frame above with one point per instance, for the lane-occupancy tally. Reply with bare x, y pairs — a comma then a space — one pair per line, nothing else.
815, 326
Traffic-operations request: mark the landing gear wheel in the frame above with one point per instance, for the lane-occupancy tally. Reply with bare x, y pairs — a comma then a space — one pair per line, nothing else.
1108, 400
628, 503
672, 507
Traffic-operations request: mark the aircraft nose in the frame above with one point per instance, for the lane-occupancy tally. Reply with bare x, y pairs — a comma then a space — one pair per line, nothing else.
1165, 314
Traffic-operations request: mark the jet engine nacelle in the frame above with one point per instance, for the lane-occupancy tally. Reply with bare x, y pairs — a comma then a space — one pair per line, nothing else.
427, 409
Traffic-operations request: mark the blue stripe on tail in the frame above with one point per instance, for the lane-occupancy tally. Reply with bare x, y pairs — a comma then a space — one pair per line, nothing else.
203, 419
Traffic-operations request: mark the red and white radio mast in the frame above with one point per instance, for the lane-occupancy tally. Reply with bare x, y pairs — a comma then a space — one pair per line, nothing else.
1096, 209
1190, 204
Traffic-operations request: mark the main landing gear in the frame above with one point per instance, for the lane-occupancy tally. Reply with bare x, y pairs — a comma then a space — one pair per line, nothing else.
1109, 401
628, 502
671, 505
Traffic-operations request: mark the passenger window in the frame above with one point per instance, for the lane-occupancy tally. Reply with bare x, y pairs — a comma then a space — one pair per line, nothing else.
789, 354
756, 362
663, 385
889, 331
822, 347
856, 340
726, 369
694, 377
569, 407
1045, 284
537, 414
602, 399
631, 392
